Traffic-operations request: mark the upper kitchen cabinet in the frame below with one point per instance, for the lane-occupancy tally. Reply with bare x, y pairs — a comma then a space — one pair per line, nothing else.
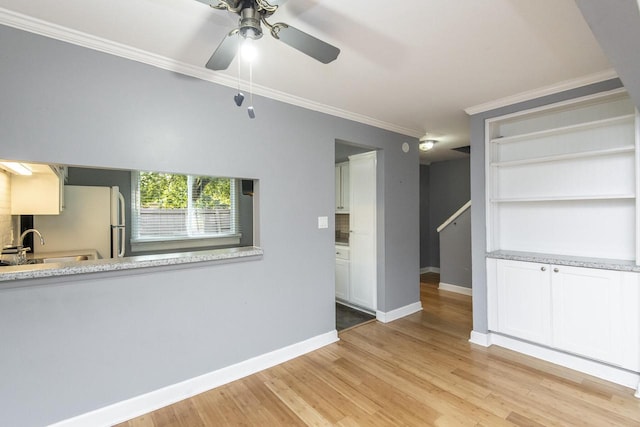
342, 188
562, 179
41, 193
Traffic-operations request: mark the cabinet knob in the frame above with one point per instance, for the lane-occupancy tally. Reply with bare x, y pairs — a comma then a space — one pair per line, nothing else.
543, 268
555, 270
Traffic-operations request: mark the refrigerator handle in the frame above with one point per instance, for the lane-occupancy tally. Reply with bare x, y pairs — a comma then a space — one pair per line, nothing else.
122, 224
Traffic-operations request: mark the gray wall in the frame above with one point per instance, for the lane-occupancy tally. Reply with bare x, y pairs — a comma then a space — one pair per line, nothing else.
449, 190
455, 251
478, 210
71, 345
425, 225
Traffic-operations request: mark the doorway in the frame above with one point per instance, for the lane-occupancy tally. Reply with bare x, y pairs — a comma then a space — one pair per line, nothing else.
356, 234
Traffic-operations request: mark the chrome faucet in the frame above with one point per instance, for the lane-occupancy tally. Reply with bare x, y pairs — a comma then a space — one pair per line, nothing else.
31, 230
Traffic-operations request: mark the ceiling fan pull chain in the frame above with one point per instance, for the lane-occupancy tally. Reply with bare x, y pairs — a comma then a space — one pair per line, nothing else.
239, 97
250, 110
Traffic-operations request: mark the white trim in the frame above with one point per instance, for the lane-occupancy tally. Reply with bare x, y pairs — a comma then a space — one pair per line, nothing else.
398, 313
430, 270
543, 91
481, 339
454, 216
637, 161
454, 288
47, 29
139, 405
141, 245
591, 367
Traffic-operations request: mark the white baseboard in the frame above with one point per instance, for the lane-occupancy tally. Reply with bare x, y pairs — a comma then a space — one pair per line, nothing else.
480, 339
139, 405
591, 367
392, 315
429, 270
454, 288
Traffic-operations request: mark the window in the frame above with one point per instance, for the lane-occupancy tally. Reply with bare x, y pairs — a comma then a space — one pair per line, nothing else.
174, 211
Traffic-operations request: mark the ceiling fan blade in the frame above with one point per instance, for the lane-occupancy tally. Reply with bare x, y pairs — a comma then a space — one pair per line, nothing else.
307, 44
214, 3
226, 51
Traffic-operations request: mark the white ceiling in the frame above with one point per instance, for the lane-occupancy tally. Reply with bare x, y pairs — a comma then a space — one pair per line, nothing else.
410, 66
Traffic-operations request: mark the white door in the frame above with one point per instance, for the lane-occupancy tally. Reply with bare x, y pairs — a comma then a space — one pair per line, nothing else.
362, 230
524, 300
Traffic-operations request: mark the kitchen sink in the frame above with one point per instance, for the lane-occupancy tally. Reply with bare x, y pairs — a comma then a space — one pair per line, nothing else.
64, 259
51, 260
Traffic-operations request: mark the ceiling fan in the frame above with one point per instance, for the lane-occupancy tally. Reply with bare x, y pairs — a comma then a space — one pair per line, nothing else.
252, 14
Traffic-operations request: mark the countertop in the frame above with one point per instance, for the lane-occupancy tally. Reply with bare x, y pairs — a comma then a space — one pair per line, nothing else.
37, 271
600, 263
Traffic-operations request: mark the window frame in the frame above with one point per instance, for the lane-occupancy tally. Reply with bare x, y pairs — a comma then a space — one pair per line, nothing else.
163, 243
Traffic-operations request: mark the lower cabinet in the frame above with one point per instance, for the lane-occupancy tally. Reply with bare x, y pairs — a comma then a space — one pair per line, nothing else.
524, 301
585, 311
342, 273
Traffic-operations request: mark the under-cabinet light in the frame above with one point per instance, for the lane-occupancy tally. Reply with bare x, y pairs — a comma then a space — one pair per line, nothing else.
17, 168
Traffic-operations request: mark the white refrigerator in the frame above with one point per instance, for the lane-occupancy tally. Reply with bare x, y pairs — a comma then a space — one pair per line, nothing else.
93, 218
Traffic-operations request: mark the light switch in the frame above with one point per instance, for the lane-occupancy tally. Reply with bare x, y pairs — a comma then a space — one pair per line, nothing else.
323, 222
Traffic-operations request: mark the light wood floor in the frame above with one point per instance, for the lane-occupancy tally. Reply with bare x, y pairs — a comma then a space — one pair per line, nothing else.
416, 371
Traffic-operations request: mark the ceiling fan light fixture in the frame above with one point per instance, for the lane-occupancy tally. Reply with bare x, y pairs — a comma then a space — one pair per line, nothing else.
254, 13
426, 144
250, 24
248, 50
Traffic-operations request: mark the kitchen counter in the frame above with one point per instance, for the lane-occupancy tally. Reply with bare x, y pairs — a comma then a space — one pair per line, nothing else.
11, 274
600, 263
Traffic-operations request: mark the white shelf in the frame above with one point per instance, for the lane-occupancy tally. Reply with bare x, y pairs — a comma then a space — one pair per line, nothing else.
569, 182
566, 129
564, 198
568, 156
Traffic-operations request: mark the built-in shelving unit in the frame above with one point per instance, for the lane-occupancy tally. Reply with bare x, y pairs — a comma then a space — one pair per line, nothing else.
562, 179
563, 186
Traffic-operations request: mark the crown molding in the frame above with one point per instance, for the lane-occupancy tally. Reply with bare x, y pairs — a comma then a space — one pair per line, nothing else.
58, 32
543, 91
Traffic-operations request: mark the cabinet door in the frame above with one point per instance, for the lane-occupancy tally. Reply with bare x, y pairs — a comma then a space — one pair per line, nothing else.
591, 314
524, 300
338, 177
38, 194
342, 187
346, 190
342, 279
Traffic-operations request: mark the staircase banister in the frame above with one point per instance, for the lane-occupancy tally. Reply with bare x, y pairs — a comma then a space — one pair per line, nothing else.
454, 216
